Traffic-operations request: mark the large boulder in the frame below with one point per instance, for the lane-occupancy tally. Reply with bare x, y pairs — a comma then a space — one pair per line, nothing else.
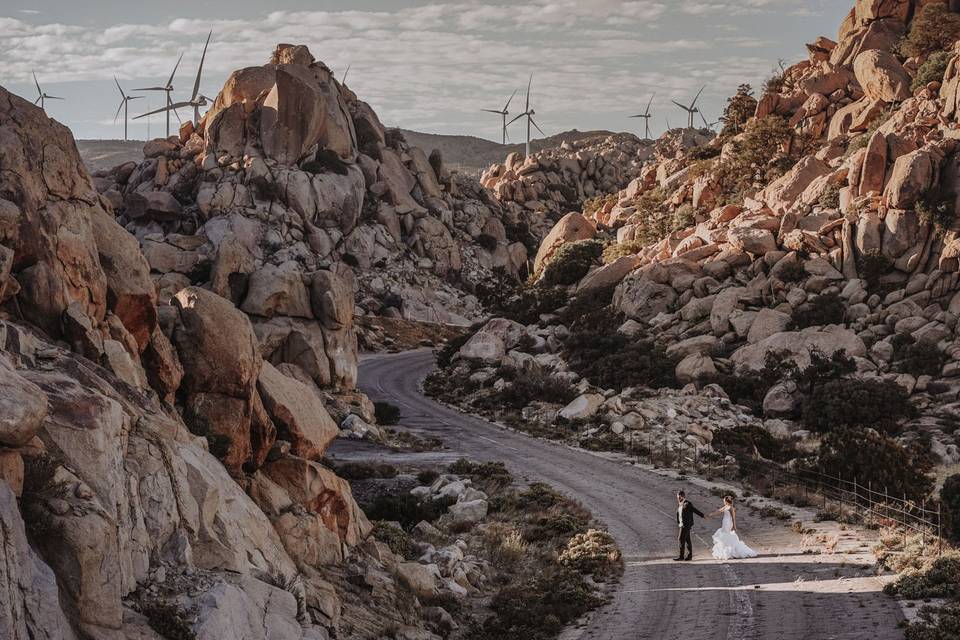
640, 298
755, 241
277, 290
22, 407
570, 228
797, 345
881, 76
911, 176
297, 411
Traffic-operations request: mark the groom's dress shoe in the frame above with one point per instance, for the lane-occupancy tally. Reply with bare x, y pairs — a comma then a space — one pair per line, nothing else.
688, 559
677, 559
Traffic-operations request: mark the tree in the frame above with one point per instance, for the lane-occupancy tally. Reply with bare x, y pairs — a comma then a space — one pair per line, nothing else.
950, 503
740, 108
935, 28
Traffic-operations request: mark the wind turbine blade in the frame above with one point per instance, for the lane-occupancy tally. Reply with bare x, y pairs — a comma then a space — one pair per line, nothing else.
180, 105
506, 134
647, 112
680, 105
119, 88
151, 89
499, 113
196, 84
515, 119
133, 97
694, 103
345, 74
37, 100
150, 113
174, 108
36, 82
705, 123
506, 107
53, 98
529, 84
538, 128
119, 109
170, 81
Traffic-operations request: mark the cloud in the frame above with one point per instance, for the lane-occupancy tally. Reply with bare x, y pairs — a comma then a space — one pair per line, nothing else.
436, 63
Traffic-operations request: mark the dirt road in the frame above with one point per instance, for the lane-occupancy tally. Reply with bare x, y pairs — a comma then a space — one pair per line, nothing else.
783, 594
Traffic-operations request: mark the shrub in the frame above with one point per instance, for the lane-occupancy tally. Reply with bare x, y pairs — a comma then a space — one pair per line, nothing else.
386, 413
571, 262
534, 301
748, 441
531, 385
365, 470
406, 509
940, 580
397, 539
593, 552
950, 501
830, 198
487, 242
872, 266
935, 207
539, 607
877, 460
740, 108
612, 360
168, 620
616, 250
591, 311
758, 158
792, 272
936, 623
823, 310
917, 358
446, 353
427, 476
932, 70
935, 28
880, 404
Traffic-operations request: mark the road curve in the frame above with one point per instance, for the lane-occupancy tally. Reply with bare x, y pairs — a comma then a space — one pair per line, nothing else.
783, 594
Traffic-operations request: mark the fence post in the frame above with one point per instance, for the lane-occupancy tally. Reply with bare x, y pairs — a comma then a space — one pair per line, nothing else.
842, 491
904, 521
939, 529
923, 529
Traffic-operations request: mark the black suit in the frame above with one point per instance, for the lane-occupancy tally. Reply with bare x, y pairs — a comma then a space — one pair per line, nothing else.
685, 523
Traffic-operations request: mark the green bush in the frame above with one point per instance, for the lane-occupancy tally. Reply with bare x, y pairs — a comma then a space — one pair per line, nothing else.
875, 460
830, 198
936, 208
427, 476
526, 387
750, 440
386, 413
872, 266
917, 358
935, 28
446, 353
591, 311
936, 623
168, 620
940, 580
616, 250
534, 301
740, 108
932, 70
397, 539
406, 509
571, 262
852, 402
950, 501
612, 360
825, 309
365, 470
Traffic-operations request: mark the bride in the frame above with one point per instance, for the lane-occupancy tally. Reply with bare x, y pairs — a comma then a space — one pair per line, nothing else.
726, 542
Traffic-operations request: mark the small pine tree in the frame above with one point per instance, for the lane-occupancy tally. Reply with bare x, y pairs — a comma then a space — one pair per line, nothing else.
935, 28
740, 108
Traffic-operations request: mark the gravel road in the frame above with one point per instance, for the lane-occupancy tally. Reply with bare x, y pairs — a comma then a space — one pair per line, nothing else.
783, 594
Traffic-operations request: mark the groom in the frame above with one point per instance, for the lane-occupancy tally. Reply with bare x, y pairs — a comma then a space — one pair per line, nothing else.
685, 511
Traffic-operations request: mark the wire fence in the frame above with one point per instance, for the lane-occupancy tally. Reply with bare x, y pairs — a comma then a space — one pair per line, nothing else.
837, 495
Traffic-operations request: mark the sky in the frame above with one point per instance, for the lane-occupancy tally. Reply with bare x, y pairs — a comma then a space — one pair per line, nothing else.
424, 65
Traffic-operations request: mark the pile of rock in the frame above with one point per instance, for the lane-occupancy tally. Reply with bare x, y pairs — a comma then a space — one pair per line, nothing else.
288, 174
554, 181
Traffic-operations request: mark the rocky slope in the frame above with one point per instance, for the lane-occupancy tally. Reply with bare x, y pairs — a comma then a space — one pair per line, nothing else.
295, 174
824, 223
177, 352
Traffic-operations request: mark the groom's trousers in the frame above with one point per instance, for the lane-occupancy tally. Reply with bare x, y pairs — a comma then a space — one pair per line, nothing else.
685, 541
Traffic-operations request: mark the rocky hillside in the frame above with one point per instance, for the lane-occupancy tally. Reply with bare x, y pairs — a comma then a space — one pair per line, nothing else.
796, 278
293, 189
178, 350
581, 172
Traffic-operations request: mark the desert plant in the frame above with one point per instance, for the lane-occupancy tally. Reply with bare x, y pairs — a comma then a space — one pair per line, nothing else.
917, 357
935, 207
571, 262
427, 476
397, 539
825, 309
533, 384
933, 69
593, 552
740, 108
750, 440
950, 501
531, 302
616, 250
168, 620
406, 509
935, 28
830, 198
611, 360
365, 470
853, 402
872, 266
386, 413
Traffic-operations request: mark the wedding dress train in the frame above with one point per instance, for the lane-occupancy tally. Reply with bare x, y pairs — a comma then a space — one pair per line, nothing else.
727, 544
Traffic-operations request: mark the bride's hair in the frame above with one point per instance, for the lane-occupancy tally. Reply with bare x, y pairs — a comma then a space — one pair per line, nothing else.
728, 499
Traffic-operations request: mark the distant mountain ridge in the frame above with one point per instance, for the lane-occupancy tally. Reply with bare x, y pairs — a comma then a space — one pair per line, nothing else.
465, 153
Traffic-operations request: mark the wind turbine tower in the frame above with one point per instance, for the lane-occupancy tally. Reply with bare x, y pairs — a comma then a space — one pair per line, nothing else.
528, 113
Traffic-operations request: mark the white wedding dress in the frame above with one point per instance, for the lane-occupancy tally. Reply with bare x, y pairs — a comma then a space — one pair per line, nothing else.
727, 544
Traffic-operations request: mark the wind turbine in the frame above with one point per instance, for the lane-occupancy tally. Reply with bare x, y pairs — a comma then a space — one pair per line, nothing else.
528, 113
646, 116
692, 109
196, 100
167, 88
343, 80
503, 112
42, 96
124, 99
